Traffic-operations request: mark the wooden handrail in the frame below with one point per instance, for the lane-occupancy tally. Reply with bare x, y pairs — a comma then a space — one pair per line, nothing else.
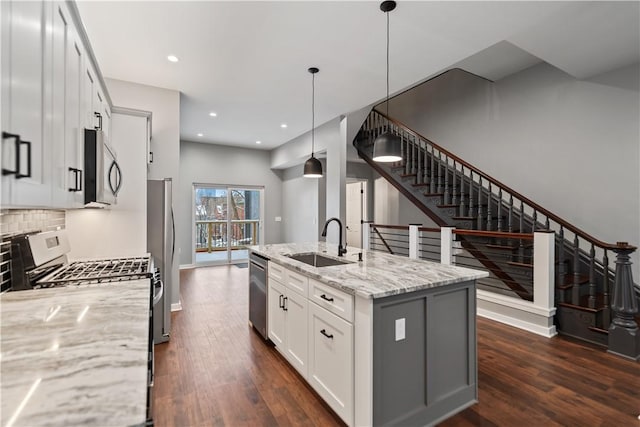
506, 188
429, 229
393, 227
501, 234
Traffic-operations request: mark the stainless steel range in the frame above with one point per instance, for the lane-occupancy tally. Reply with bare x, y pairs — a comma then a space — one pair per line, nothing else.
39, 260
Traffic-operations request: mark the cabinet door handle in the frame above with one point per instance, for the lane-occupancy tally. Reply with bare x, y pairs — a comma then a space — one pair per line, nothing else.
28, 174
77, 174
99, 116
151, 155
7, 135
326, 298
324, 332
284, 304
280, 302
118, 178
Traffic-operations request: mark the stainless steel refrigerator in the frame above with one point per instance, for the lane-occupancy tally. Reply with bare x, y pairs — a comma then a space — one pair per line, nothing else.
161, 245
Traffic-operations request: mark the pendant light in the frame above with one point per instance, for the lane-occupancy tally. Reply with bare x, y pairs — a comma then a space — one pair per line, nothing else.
387, 147
313, 167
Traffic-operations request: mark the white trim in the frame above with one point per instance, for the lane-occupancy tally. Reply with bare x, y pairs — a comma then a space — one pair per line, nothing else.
187, 266
176, 306
515, 312
363, 362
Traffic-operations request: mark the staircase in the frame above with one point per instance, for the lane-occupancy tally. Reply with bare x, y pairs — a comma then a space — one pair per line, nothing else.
454, 193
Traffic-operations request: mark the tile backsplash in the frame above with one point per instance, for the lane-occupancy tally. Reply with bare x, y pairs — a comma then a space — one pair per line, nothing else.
14, 221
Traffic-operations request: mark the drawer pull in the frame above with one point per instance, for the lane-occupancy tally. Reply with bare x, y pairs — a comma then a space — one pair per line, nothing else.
284, 304
324, 297
324, 332
281, 302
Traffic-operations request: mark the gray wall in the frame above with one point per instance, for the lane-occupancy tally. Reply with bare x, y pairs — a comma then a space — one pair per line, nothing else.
217, 164
302, 210
570, 145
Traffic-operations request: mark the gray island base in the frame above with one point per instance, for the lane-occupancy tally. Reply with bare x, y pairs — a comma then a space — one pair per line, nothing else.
386, 341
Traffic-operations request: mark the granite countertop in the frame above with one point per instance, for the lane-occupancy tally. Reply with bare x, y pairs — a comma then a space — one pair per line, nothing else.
377, 275
75, 355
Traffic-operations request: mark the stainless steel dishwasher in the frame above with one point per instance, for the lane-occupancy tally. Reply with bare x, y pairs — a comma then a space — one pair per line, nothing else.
258, 293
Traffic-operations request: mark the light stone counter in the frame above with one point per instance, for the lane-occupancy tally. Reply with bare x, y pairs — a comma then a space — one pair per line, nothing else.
377, 275
75, 355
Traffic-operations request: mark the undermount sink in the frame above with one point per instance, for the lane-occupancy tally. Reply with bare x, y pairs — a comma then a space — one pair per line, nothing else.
317, 260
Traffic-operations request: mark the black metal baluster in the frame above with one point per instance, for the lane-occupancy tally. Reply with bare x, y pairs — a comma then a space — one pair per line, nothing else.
510, 218
546, 223
447, 196
489, 215
592, 278
432, 182
521, 244
534, 220
462, 204
471, 207
479, 203
440, 178
575, 290
425, 162
453, 187
499, 209
420, 168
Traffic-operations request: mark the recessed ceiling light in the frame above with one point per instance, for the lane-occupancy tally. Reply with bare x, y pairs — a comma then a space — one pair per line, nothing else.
172, 58
200, 134
258, 142
283, 126
212, 114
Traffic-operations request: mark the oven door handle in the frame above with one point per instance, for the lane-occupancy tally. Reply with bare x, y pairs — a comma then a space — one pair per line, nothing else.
158, 295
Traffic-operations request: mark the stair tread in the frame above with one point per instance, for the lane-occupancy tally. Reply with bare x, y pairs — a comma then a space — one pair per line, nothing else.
579, 307
433, 194
407, 175
599, 330
520, 264
423, 184
568, 280
450, 205
464, 218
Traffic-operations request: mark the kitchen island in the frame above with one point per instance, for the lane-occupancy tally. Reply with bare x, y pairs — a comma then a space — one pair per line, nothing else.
76, 355
385, 340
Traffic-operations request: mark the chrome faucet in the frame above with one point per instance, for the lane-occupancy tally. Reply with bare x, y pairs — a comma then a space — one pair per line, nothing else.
341, 250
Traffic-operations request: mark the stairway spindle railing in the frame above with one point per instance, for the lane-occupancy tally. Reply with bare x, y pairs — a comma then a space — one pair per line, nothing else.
437, 171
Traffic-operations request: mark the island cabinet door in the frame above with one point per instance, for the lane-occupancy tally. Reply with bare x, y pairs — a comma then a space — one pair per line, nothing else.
331, 360
276, 316
296, 331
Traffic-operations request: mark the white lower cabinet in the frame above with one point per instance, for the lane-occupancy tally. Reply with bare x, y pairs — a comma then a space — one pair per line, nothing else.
331, 360
315, 341
287, 324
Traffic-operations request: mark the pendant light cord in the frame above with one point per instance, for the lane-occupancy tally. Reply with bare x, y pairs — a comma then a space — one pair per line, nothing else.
313, 110
387, 13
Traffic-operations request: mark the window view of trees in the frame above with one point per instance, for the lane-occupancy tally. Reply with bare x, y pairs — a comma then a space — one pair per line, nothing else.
226, 218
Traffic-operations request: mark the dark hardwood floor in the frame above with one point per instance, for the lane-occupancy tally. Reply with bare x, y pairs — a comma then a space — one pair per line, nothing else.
216, 371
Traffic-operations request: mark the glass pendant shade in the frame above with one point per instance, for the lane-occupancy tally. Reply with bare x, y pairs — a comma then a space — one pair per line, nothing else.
312, 168
387, 148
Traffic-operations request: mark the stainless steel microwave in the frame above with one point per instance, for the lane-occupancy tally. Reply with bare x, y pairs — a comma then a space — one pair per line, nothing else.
102, 174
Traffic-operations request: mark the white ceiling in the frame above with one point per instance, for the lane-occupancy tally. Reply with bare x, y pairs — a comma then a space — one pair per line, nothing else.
248, 61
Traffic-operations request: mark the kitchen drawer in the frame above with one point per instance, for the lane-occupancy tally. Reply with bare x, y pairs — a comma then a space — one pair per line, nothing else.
334, 300
277, 272
297, 282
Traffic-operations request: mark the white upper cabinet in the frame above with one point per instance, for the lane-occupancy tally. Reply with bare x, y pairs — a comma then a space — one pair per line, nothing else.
25, 171
51, 92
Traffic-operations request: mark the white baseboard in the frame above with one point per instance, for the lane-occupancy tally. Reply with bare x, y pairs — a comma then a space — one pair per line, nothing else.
187, 266
517, 313
177, 306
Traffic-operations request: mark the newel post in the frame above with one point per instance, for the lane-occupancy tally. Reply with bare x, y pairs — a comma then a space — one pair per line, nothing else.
414, 241
624, 336
366, 235
446, 245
